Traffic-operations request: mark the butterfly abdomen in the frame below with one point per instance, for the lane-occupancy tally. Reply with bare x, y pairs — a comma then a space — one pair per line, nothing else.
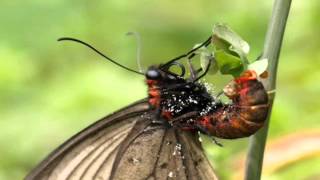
245, 115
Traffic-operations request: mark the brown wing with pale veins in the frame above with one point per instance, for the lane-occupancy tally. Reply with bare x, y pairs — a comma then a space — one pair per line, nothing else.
127, 145
162, 153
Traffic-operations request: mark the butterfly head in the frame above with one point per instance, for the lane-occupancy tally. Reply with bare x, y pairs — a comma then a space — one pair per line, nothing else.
162, 75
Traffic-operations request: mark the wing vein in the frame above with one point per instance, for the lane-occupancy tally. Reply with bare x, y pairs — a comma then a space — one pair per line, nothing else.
116, 163
183, 155
158, 155
114, 138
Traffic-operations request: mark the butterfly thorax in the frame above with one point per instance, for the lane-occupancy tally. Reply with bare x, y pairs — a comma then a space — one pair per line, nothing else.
173, 96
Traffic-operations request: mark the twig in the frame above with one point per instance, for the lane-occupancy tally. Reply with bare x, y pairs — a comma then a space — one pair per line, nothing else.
271, 51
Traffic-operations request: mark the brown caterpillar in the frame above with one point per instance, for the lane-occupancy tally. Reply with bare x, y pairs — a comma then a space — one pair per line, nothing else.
245, 115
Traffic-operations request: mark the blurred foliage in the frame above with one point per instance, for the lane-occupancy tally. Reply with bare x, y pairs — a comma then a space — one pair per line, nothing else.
50, 90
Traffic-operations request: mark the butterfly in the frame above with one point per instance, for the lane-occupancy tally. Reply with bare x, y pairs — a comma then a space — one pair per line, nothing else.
156, 137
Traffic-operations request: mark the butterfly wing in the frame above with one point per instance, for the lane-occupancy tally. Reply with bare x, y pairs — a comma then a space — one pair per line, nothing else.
162, 153
104, 136
126, 145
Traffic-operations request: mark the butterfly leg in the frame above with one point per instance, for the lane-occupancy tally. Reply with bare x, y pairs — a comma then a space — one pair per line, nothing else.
193, 73
214, 140
186, 119
204, 131
157, 119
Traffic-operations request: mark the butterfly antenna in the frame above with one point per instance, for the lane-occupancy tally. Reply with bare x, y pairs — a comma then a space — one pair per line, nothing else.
190, 53
100, 53
139, 45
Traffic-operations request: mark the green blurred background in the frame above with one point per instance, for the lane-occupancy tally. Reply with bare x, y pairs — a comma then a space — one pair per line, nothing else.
51, 90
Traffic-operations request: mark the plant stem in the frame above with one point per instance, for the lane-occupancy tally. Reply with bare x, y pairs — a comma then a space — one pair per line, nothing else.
271, 51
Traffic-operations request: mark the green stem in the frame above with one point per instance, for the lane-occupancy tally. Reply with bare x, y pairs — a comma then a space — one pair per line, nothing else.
271, 51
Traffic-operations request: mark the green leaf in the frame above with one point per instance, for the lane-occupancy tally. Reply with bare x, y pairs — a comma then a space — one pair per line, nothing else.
226, 39
229, 64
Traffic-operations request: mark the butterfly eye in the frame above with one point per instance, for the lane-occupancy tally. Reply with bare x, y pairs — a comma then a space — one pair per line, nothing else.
153, 74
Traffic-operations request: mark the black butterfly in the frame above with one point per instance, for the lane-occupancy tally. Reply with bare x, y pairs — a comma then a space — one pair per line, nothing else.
140, 141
